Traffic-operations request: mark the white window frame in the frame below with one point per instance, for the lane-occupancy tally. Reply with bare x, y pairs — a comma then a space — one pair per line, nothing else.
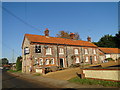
61, 51
94, 51
46, 61
77, 60
49, 52
40, 60
76, 51
95, 58
53, 61
86, 59
86, 51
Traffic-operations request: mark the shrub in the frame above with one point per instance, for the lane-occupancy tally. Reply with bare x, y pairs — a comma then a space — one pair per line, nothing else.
75, 65
109, 59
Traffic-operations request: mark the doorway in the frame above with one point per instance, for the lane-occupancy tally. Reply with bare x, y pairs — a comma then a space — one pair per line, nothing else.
90, 59
61, 63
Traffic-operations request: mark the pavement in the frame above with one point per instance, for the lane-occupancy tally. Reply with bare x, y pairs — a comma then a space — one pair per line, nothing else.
54, 83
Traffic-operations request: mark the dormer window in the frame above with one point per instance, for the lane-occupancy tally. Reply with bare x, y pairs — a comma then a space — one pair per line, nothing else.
37, 49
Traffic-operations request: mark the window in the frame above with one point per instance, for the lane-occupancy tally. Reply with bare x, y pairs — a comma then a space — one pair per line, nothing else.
94, 51
46, 62
76, 51
61, 51
26, 50
95, 58
77, 60
52, 61
48, 51
41, 62
107, 55
86, 59
86, 51
37, 49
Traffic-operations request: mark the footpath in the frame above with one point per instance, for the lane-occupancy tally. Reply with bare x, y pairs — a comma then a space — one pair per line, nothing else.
53, 83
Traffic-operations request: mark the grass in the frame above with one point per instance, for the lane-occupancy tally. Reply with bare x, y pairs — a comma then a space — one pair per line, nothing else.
37, 74
95, 82
14, 70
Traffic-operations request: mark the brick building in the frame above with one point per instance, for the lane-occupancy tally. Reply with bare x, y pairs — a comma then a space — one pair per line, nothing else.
44, 51
113, 53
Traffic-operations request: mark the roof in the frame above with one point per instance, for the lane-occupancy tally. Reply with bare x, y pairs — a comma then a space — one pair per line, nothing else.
56, 40
110, 50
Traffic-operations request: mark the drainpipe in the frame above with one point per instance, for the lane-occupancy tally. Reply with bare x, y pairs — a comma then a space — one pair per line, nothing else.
66, 55
57, 55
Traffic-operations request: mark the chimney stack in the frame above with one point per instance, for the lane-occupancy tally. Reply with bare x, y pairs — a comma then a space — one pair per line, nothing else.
89, 39
72, 35
46, 32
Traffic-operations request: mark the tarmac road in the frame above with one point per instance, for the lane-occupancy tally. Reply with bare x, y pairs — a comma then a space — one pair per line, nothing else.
11, 81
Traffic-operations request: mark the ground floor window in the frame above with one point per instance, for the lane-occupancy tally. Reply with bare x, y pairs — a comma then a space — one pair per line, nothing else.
86, 59
46, 62
77, 60
52, 61
95, 58
41, 62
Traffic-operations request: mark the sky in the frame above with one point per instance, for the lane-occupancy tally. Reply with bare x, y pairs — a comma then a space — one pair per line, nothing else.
94, 19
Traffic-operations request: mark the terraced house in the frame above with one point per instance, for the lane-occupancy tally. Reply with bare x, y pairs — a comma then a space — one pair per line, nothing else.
44, 51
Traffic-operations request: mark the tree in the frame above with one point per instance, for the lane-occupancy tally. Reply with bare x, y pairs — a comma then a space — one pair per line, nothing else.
106, 41
4, 61
117, 39
63, 34
19, 63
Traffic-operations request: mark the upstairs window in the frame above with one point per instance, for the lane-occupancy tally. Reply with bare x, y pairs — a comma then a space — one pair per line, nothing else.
37, 49
76, 51
61, 51
48, 51
86, 51
26, 50
94, 51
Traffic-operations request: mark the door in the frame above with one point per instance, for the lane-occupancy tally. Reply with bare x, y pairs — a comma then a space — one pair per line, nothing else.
90, 59
61, 62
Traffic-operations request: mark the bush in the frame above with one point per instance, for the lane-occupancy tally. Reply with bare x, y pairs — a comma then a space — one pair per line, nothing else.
75, 65
109, 59
19, 63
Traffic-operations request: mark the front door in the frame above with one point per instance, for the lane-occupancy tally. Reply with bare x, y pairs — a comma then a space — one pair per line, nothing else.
90, 59
61, 62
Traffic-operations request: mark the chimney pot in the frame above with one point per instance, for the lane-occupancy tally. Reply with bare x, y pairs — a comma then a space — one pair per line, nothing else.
89, 39
72, 35
46, 32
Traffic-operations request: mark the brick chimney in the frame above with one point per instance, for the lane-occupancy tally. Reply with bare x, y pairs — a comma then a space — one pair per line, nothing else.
89, 39
46, 32
72, 35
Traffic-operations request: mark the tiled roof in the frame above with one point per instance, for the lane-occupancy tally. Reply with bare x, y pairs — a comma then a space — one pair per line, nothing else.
56, 40
110, 50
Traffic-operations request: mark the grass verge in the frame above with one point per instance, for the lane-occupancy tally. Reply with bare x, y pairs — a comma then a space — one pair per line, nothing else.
37, 74
13, 70
95, 82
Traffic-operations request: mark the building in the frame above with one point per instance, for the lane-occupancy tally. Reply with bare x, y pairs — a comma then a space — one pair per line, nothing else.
44, 51
113, 53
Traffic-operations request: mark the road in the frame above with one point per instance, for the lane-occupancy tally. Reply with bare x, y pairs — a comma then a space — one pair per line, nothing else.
10, 81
